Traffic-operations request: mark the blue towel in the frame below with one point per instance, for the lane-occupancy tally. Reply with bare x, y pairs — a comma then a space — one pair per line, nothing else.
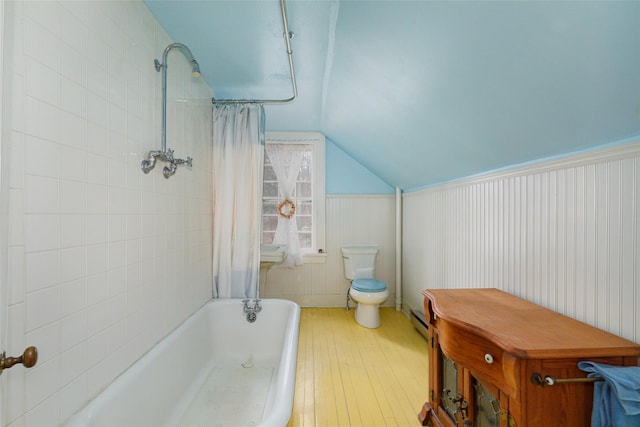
616, 400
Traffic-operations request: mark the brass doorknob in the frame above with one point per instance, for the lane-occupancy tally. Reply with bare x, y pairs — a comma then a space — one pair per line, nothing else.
28, 359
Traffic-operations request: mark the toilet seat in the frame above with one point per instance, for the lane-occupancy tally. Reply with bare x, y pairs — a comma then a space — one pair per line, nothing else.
369, 285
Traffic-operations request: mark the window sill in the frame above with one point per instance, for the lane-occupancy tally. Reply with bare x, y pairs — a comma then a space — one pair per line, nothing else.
314, 258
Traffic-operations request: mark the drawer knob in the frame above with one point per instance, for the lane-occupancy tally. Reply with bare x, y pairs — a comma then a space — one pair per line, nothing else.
488, 358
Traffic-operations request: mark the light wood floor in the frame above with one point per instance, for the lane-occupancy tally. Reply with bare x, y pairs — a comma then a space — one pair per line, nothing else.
348, 375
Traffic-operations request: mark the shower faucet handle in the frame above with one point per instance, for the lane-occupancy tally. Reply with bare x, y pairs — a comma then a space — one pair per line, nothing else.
188, 161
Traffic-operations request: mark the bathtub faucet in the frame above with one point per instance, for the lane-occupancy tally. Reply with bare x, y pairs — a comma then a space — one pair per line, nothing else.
251, 308
166, 156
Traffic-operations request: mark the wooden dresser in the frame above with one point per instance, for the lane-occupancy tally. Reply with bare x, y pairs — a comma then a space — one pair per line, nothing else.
498, 360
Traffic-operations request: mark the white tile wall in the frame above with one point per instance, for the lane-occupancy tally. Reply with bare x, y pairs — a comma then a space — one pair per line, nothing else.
564, 234
103, 260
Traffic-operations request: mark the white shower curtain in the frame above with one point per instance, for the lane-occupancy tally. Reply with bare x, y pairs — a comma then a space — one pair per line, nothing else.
286, 160
238, 159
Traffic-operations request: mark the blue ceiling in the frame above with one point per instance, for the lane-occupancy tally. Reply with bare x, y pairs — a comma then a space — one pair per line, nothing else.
424, 92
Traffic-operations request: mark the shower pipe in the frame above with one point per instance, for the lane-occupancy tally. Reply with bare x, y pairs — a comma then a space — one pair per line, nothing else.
164, 154
287, 36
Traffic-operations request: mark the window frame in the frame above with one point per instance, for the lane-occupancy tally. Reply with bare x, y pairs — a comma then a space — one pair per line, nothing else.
317, 141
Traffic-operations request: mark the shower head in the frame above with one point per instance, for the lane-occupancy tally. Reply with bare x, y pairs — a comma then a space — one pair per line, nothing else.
195, 70
195, 67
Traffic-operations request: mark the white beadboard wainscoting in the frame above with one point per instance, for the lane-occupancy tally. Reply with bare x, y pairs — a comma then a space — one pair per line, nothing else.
350, 219
563, 233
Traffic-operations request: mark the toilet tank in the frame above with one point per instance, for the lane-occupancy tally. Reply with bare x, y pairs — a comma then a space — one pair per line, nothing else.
359, 261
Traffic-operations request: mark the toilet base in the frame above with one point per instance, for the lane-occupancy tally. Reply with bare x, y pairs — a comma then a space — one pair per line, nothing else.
368, 309
368, 315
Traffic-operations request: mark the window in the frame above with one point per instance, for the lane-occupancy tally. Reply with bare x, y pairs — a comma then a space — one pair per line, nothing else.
308, 195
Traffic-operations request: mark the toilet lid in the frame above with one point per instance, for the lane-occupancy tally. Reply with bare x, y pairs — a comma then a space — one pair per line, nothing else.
369, 285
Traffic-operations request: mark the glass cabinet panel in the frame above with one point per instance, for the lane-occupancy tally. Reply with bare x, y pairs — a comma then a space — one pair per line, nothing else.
449, 386
487, 407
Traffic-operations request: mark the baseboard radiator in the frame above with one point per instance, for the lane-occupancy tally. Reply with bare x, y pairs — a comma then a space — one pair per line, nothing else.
419, 322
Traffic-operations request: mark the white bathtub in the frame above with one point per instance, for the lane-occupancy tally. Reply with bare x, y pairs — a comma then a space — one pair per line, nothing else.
195, 376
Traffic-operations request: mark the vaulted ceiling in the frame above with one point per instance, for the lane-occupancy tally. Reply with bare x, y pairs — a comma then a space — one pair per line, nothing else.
423, 92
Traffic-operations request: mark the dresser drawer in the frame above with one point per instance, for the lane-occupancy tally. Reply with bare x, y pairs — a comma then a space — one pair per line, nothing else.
485, 359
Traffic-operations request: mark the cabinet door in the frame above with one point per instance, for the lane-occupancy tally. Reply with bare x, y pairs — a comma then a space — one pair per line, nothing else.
457, 398
453, 396
490, 406
445, 387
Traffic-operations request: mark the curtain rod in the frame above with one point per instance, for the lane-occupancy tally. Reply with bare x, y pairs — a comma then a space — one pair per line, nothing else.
287, 36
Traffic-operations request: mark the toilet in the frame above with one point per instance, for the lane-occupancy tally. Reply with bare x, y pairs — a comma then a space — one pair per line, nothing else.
368, 292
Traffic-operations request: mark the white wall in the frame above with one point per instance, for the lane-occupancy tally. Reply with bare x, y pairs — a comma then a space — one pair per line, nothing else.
103, 260
350, 219
564, 234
